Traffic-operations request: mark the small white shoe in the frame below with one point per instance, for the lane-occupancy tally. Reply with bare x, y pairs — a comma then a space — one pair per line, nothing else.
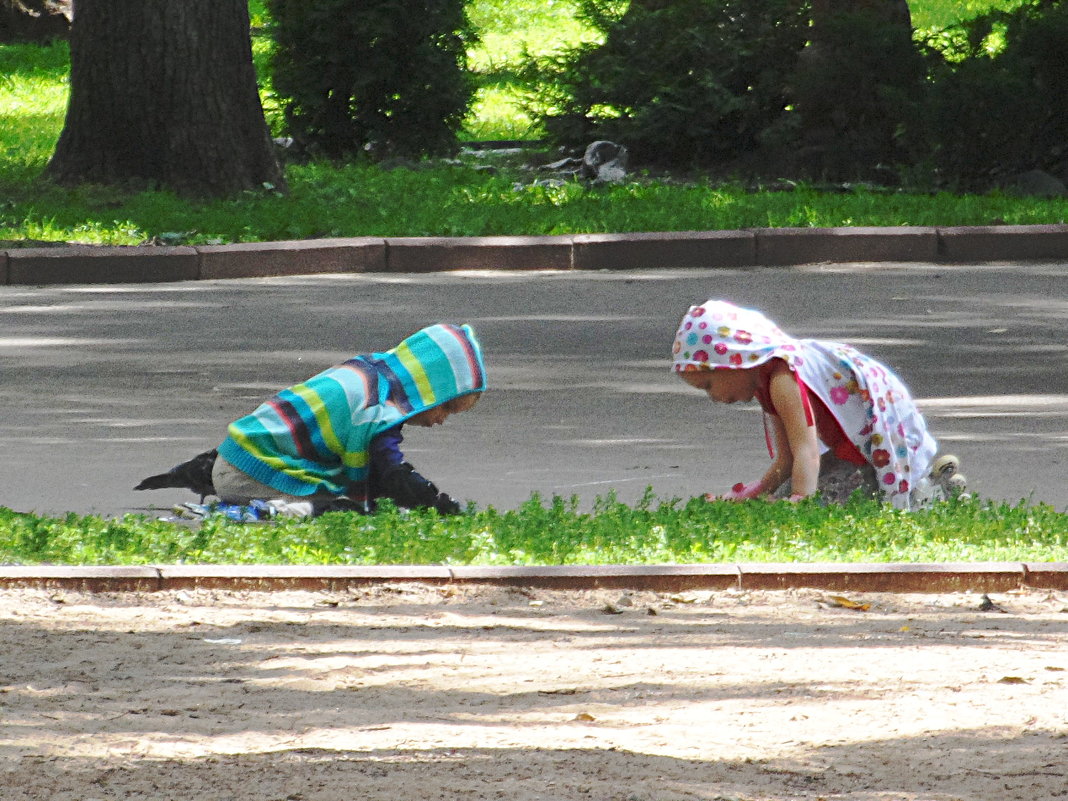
943, 482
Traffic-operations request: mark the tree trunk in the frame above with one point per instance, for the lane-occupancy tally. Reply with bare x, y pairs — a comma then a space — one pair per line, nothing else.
163, 93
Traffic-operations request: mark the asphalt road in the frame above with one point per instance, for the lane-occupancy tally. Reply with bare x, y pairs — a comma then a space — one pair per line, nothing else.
105, 384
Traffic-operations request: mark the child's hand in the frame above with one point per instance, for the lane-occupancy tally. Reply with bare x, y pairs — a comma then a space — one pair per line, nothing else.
447, 505
739, 492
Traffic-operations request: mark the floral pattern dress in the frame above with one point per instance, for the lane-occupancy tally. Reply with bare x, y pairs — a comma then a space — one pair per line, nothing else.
871, 404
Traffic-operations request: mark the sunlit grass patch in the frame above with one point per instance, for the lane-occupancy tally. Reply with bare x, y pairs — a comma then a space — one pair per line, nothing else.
33, 104
556, 532
509, 30
495, 115
330, 200
932, 14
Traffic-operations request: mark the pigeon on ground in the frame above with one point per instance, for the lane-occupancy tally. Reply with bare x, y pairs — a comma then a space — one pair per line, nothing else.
194, 475
986, 605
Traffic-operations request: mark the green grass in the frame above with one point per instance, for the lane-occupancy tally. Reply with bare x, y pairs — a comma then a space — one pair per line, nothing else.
554, 533
33, 100
509, 32
361, 200
931, 14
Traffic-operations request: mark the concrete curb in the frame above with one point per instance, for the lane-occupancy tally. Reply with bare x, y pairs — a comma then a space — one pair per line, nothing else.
881, 577
88, 264
302, 257
759, 247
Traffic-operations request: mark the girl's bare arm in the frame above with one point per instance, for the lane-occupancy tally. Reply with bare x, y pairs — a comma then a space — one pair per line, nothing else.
794, 434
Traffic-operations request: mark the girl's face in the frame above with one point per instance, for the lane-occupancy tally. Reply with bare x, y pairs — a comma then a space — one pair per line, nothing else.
723, 386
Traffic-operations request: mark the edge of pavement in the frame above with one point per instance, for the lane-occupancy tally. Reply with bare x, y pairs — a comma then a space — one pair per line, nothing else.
759, 247
896, 577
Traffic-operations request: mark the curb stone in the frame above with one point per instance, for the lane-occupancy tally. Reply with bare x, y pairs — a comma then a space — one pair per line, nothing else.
294, 257
846, 577
786, 246
671, 250
435, 254
758, 247
1003, 243
91, 264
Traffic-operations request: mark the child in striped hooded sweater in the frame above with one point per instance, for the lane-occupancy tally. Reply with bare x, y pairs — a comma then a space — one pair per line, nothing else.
333, 441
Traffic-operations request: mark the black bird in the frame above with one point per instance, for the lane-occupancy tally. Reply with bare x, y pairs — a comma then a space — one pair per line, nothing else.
194, 475
986, 605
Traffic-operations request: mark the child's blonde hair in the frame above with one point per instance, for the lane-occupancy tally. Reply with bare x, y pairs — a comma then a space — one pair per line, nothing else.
462, 403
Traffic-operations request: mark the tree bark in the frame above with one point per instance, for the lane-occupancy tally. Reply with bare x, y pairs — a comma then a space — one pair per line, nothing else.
163, 93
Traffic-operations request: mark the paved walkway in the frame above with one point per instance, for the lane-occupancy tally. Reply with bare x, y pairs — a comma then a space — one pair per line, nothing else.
105, 384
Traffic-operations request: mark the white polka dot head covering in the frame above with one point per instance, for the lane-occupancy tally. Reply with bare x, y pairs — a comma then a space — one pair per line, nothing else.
869, 402
718, 334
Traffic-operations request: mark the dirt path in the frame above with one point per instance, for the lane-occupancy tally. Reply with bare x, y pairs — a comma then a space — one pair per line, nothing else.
404, 692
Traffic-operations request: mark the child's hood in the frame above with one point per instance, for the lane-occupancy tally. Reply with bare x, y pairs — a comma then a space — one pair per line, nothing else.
718, 334
432, 366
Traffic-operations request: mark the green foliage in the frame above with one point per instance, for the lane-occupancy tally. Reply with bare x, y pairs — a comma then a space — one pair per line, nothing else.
733, 85
858, 88
557, 532
386, 75
680, 82
998, 89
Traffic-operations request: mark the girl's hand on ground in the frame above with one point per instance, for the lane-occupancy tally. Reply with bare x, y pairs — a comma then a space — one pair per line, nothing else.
739, 492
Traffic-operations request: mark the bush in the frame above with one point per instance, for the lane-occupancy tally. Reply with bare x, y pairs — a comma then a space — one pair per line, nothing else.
749, 84
858, 91
386, 76
679, 82
998, 96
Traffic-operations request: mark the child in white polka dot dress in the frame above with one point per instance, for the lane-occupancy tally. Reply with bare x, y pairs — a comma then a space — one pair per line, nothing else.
835, 420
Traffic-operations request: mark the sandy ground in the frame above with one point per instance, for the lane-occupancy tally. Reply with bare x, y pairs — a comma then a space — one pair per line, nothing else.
408, 692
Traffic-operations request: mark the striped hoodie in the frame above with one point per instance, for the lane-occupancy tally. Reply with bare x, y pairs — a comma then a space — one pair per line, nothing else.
314, 438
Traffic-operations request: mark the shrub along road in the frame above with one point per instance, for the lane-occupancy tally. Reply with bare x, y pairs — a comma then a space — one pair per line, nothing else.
106, 384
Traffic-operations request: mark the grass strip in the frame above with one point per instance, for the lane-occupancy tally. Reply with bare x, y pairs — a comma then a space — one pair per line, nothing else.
355, 200
556, 532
